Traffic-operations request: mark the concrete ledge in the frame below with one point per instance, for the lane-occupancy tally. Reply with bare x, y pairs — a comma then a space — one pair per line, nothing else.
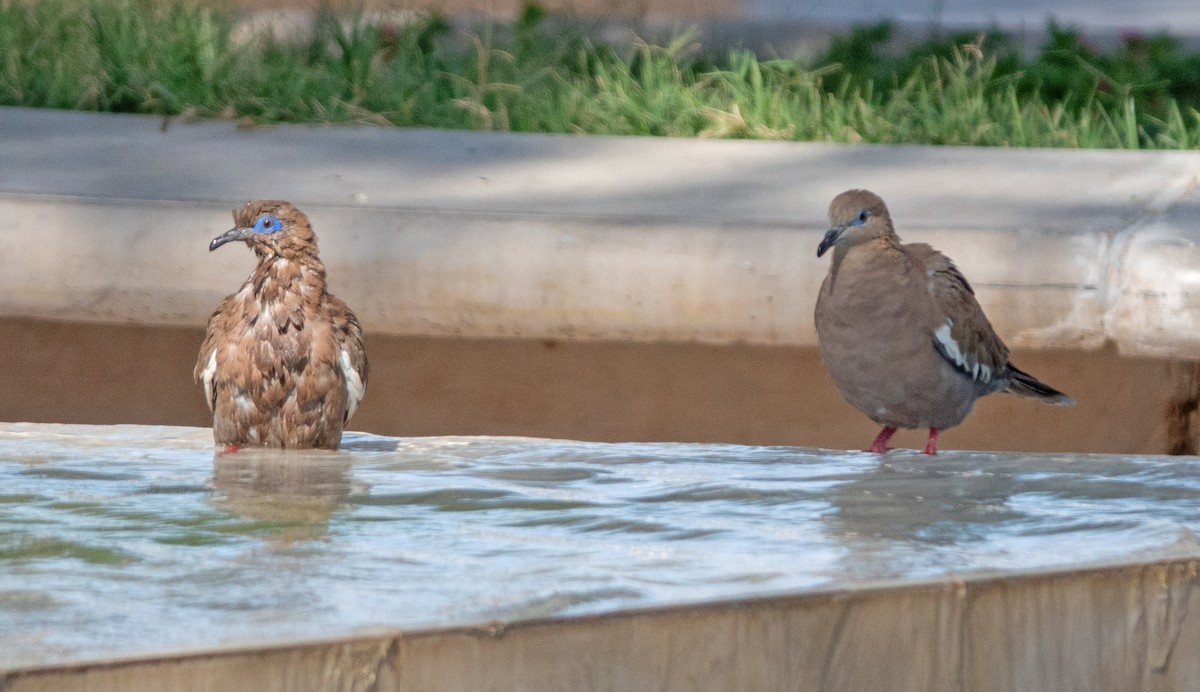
1112, 628
483, 234
466, 563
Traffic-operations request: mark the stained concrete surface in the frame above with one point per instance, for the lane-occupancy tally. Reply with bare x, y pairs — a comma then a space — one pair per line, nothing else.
1128, 628
604, 391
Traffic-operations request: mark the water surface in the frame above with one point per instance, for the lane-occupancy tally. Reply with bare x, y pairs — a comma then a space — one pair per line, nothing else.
119, 540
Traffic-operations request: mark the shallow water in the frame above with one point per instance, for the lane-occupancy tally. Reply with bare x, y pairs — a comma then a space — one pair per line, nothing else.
128, 539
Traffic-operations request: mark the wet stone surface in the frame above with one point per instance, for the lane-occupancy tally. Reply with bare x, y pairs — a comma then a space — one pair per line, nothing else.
123, 540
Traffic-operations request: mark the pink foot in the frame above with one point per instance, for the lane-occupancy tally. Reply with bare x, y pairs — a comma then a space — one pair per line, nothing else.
879, 446
931, 445
229, 449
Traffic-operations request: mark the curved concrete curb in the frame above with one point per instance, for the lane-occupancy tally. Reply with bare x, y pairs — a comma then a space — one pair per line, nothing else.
1110, 628
485, 235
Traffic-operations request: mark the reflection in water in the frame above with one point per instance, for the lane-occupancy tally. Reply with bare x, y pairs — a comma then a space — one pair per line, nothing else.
907, 501
293, 493
979, 512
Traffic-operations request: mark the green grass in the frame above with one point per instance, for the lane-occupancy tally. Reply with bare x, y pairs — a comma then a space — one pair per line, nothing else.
142, 56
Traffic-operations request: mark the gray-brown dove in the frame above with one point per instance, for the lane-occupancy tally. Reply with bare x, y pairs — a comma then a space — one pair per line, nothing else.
900, 331
282, 363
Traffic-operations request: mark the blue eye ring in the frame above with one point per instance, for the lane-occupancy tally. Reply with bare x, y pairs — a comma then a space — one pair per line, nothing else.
267, 223
859, 220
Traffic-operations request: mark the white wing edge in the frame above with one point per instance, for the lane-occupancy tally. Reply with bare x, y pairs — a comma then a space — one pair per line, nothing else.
355, 388
949, 347
206, 377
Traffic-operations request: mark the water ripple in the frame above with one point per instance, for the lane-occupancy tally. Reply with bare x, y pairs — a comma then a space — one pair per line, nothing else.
111, 536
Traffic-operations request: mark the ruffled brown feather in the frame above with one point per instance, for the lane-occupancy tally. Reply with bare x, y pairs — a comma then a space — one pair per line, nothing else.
282, 362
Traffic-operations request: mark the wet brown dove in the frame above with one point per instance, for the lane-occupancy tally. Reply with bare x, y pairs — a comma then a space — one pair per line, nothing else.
900, 331
282, 363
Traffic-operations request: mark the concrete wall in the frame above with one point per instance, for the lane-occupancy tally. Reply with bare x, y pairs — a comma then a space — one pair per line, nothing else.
599, 390
603, 288
484, 235
1120, 628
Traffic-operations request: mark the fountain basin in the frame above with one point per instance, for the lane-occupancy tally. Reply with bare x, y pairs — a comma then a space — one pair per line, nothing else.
134, 557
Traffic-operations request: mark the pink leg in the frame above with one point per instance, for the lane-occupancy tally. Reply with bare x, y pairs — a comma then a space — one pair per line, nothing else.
880, 443
931, 445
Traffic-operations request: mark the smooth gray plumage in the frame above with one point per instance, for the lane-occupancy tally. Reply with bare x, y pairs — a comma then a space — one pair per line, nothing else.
900, 331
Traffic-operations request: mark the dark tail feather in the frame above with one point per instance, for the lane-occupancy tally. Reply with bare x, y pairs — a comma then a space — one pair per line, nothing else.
1022, 383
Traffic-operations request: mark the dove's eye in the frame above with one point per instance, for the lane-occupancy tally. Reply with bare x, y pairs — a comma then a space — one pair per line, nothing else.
267, 223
